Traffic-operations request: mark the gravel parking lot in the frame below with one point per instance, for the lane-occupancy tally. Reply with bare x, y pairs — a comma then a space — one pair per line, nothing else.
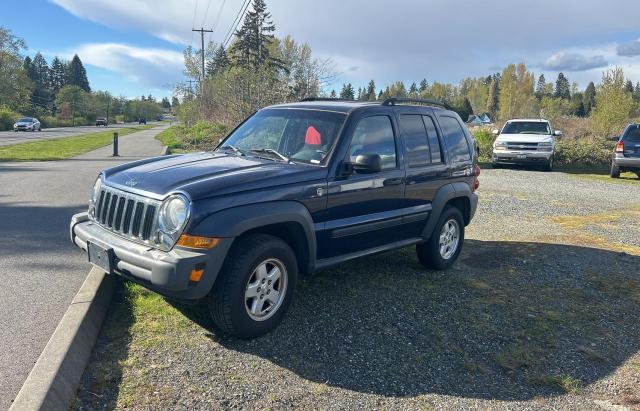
541, 311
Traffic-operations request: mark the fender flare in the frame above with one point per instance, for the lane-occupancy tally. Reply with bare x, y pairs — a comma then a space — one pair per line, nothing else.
442, 197
233, 222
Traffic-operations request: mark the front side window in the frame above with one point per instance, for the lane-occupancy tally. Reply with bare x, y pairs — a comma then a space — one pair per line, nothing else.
301, 135
527, 127
416, 140
374, 135
455, 140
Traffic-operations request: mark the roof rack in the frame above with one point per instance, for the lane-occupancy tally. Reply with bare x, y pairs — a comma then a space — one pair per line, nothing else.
325, 99
395, 100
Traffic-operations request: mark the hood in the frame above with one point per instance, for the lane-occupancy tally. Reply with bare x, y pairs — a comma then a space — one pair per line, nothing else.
204, 175
525, 138
24, 123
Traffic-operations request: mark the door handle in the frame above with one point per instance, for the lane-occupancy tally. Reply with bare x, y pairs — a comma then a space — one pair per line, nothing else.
392, 181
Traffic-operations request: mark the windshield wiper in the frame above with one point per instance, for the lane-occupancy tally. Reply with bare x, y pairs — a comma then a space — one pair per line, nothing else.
235, 149
271, 151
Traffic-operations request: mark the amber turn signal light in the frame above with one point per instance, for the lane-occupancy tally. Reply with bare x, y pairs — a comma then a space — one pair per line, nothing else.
194, 241
196, 275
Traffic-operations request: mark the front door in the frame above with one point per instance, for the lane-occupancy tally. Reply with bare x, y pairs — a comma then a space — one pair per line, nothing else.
364, 209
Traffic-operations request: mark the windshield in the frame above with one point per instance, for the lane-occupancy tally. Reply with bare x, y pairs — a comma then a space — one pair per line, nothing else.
632, 135
299, 135
526, 127
24, 120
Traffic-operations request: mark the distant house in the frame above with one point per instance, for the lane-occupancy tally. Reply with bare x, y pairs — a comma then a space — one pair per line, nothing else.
481, 120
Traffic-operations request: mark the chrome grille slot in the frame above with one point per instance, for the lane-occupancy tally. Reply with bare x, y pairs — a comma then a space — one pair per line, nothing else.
126, 214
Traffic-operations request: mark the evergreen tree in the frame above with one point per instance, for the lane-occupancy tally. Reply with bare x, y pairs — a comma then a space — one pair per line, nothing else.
423, 86
493, 97
359, 94
413, 90
78, 75
636, 92
628, 86
58, 78
333, 94
563, 89
26, 65
175, 103
165, 102
589, 98
541, 87
371, 91
218, 63
580, 111
464, 109
253, 39
40, 75
347, 92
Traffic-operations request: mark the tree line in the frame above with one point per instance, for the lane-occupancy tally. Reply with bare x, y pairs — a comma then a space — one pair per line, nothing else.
59, 93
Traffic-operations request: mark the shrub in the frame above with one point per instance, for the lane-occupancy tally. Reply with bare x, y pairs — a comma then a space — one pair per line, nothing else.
7, 118
584, 152
485, 139
201, 136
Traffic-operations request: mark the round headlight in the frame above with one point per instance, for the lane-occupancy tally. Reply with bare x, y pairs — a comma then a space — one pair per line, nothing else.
173, 214
95, 194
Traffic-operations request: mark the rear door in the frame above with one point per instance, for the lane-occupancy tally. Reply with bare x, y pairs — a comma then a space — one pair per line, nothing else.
459, 148
425, 168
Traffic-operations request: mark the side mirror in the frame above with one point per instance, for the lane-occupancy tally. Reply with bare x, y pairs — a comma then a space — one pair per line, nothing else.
615, 138
367, 163
557, 133
495, 131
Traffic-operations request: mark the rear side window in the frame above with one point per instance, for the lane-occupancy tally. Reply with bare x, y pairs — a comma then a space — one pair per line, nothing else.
632, 135
434, 143
415, 137
455, 140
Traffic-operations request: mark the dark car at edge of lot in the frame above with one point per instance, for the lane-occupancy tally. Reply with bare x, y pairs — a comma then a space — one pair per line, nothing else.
626, 155
292, 190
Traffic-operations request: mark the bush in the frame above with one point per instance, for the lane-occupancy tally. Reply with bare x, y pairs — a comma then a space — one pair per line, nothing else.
7, 118
202, 136
584, 152
485, 139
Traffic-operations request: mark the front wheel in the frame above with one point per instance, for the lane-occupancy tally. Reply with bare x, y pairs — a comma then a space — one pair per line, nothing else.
445, 244
549, 165
255, 286
615, 171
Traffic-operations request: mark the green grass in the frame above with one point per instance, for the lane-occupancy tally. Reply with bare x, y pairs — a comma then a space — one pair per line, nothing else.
563, 382
63, 148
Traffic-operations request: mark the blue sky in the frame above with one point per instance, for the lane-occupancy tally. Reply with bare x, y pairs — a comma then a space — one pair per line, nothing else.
134, 47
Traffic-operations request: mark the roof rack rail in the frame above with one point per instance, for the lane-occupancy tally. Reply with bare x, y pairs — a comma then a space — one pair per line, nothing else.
395, 100
325, 99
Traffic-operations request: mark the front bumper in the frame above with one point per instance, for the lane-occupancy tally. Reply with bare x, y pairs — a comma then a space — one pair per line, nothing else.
521, 157
166, 273
626, 162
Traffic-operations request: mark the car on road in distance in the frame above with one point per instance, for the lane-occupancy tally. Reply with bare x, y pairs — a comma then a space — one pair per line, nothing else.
525, 142
101, 121
27, 124
292, 190
142, 120
626, 155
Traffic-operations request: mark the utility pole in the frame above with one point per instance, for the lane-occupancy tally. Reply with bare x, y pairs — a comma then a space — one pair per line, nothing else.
202, 31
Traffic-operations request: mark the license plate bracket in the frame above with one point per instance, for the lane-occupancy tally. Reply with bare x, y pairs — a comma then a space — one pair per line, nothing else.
521, 156
100, 256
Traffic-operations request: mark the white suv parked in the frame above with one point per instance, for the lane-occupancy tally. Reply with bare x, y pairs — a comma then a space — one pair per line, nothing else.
525, 141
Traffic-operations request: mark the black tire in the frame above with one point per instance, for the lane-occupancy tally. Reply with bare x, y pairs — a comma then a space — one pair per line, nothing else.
615, 171
429, 251
549, 165
227, 302
496, 165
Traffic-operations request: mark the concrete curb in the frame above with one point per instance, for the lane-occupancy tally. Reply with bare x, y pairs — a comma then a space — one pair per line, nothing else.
54, 379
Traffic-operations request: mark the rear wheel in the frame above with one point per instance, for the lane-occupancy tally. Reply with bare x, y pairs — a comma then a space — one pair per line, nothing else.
445, 244
615, 171
255, 286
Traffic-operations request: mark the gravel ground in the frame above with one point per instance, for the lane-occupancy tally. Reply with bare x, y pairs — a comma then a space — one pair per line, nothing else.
540, 312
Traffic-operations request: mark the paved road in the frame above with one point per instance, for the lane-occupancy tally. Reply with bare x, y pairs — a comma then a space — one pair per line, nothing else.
11, 137
40, 270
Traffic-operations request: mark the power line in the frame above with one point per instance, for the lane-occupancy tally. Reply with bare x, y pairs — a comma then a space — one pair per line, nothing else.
235, 23
193, 23
217, 20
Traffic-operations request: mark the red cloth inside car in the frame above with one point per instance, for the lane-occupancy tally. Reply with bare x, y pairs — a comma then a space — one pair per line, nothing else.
312, 137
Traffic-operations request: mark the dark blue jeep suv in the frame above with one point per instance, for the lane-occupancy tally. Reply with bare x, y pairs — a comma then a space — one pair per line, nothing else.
293, 189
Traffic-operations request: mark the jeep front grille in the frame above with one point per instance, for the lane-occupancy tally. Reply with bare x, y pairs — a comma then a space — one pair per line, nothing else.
127, 214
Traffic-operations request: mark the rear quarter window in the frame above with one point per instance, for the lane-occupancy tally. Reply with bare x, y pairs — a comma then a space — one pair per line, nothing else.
455, 140
632, 135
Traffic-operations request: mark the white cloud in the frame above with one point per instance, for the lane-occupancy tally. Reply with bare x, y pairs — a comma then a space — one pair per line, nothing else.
406, 40
151, 67
574, 62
